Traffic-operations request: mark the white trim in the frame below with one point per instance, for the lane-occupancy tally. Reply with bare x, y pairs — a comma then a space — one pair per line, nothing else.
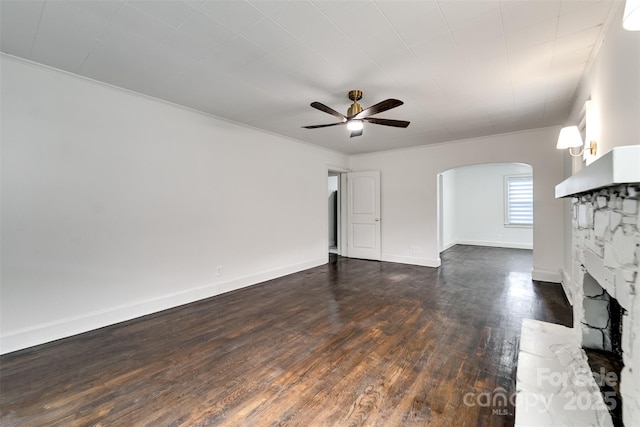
546, 276
566, 280
494, 244
336, 247
424, 262
450, 245
518, 225
343, 245
338, 170
164, 101
478, 139
52, 331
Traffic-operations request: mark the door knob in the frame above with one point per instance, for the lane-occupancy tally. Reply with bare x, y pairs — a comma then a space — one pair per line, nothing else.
377, 219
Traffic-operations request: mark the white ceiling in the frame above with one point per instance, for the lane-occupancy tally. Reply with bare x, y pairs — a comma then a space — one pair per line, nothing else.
463, 68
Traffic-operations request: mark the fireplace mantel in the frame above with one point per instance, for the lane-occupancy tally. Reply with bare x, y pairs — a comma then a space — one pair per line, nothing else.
621, 165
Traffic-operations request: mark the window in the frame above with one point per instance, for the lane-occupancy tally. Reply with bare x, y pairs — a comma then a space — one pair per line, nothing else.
519, 200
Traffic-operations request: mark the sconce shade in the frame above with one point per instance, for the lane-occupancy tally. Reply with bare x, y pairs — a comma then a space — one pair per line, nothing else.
631, 16
569, 137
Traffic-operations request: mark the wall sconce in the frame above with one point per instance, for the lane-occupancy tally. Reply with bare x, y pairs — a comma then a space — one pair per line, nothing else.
631, 16
570, 138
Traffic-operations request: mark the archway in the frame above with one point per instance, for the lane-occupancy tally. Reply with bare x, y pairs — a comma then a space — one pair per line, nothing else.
478, 204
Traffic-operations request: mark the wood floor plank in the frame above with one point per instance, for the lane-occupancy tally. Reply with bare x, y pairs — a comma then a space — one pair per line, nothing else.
351, 343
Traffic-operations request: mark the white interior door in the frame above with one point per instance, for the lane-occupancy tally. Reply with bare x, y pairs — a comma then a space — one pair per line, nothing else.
363, 215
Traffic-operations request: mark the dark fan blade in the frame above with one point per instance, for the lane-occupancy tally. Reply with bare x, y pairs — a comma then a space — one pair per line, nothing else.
323, 126
329, 110
356, 133
385, 105
387, 122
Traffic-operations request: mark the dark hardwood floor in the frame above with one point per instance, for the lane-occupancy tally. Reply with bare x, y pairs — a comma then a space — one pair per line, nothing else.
346, 344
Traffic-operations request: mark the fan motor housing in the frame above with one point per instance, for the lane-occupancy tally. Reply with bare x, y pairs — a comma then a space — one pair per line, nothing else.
355, 108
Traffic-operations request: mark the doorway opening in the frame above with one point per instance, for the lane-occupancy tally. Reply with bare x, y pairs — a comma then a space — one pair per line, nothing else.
486, 205
353, 222
334, 212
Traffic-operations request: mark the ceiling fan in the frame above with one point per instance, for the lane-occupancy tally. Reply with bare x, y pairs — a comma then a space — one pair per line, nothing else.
356, 115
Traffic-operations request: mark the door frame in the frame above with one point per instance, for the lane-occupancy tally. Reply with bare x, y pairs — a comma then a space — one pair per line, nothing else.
341, 242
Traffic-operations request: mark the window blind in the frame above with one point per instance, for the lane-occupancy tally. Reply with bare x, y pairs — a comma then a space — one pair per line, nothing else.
519, 200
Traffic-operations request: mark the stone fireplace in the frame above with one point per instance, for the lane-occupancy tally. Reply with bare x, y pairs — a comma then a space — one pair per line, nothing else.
601, 325
605, 254
602, 286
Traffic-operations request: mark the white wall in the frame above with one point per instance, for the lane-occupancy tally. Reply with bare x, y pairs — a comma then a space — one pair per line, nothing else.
613, 85
115, 205
409, 193
479, 216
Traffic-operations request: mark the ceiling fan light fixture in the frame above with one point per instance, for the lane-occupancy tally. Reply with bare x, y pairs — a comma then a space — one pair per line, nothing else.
353, 125
356, 116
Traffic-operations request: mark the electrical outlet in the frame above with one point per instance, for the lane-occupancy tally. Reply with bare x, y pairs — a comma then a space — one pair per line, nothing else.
499, 236
219, 271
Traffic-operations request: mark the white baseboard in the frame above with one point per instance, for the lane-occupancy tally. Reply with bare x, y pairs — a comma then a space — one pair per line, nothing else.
253, 279
425, 262
546, 276
63, 328
448, 245
566, 285
494, 244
